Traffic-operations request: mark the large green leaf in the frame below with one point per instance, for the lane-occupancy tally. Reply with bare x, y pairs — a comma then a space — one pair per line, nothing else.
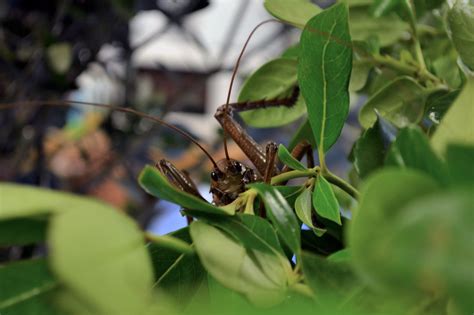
20, 201
303, 209
459, 161
412, 149
328, 279
285, 156
456, 125
25, 288
296, 12
99, 254
252, 232
22, 231
325, 202
180, 275
274, 80
431, 248
382, 197
324, 70
461, 26
401, 102
157, 185
281, 215
262, 277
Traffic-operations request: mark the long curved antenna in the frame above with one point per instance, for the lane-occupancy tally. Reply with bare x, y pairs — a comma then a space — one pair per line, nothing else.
127, 110
236, 67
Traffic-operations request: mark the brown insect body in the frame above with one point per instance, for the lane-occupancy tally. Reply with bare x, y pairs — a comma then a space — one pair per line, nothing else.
228, 180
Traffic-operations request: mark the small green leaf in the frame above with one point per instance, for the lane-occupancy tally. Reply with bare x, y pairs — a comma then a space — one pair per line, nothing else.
386, 30
22, 231
401, 102
325, 202
344, 255
359, 75
285, 156
455, 125
274, 80
324, 69
369, 151
303, 208
281, 215
260, 276
461, 27
25, 288
291, 52
98, 253
296, 12
438, 104
156, 184
412, 149
60, 57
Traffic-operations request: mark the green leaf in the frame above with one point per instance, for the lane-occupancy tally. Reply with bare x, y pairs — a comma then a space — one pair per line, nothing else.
461, 28
438, 104
344, 255
274, 80
22, 231
459, 161
412, 149
157, 185
261, 277
401, 102
59, 57
454, 127
281, 215
382, 197
304, 132
321, 245
285, 156
19, 201
325, 202
369, 151
291, 52
359, 75
170, 242
296, 12
387, 30
99, 254
25, 288
324, 70
430, 243
252, 232
178, 274
329, 280
303, 208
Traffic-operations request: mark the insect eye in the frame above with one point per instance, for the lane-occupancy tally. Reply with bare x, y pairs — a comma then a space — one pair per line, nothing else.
216, 175
236, 167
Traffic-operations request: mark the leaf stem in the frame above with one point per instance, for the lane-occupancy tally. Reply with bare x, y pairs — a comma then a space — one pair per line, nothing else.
295, 174
390, 62
339, 182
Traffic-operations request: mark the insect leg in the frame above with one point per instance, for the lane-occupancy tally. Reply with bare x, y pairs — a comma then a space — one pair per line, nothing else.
178, 178
248, 145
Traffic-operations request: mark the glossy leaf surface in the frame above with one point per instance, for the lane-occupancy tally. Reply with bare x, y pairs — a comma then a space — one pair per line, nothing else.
324, 69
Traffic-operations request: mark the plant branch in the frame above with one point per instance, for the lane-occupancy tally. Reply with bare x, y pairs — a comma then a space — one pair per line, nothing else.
294, 174
339, 182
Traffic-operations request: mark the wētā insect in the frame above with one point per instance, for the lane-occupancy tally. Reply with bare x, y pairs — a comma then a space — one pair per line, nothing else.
229, 176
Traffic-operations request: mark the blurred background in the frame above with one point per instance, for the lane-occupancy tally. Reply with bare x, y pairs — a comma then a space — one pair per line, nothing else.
169, 58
